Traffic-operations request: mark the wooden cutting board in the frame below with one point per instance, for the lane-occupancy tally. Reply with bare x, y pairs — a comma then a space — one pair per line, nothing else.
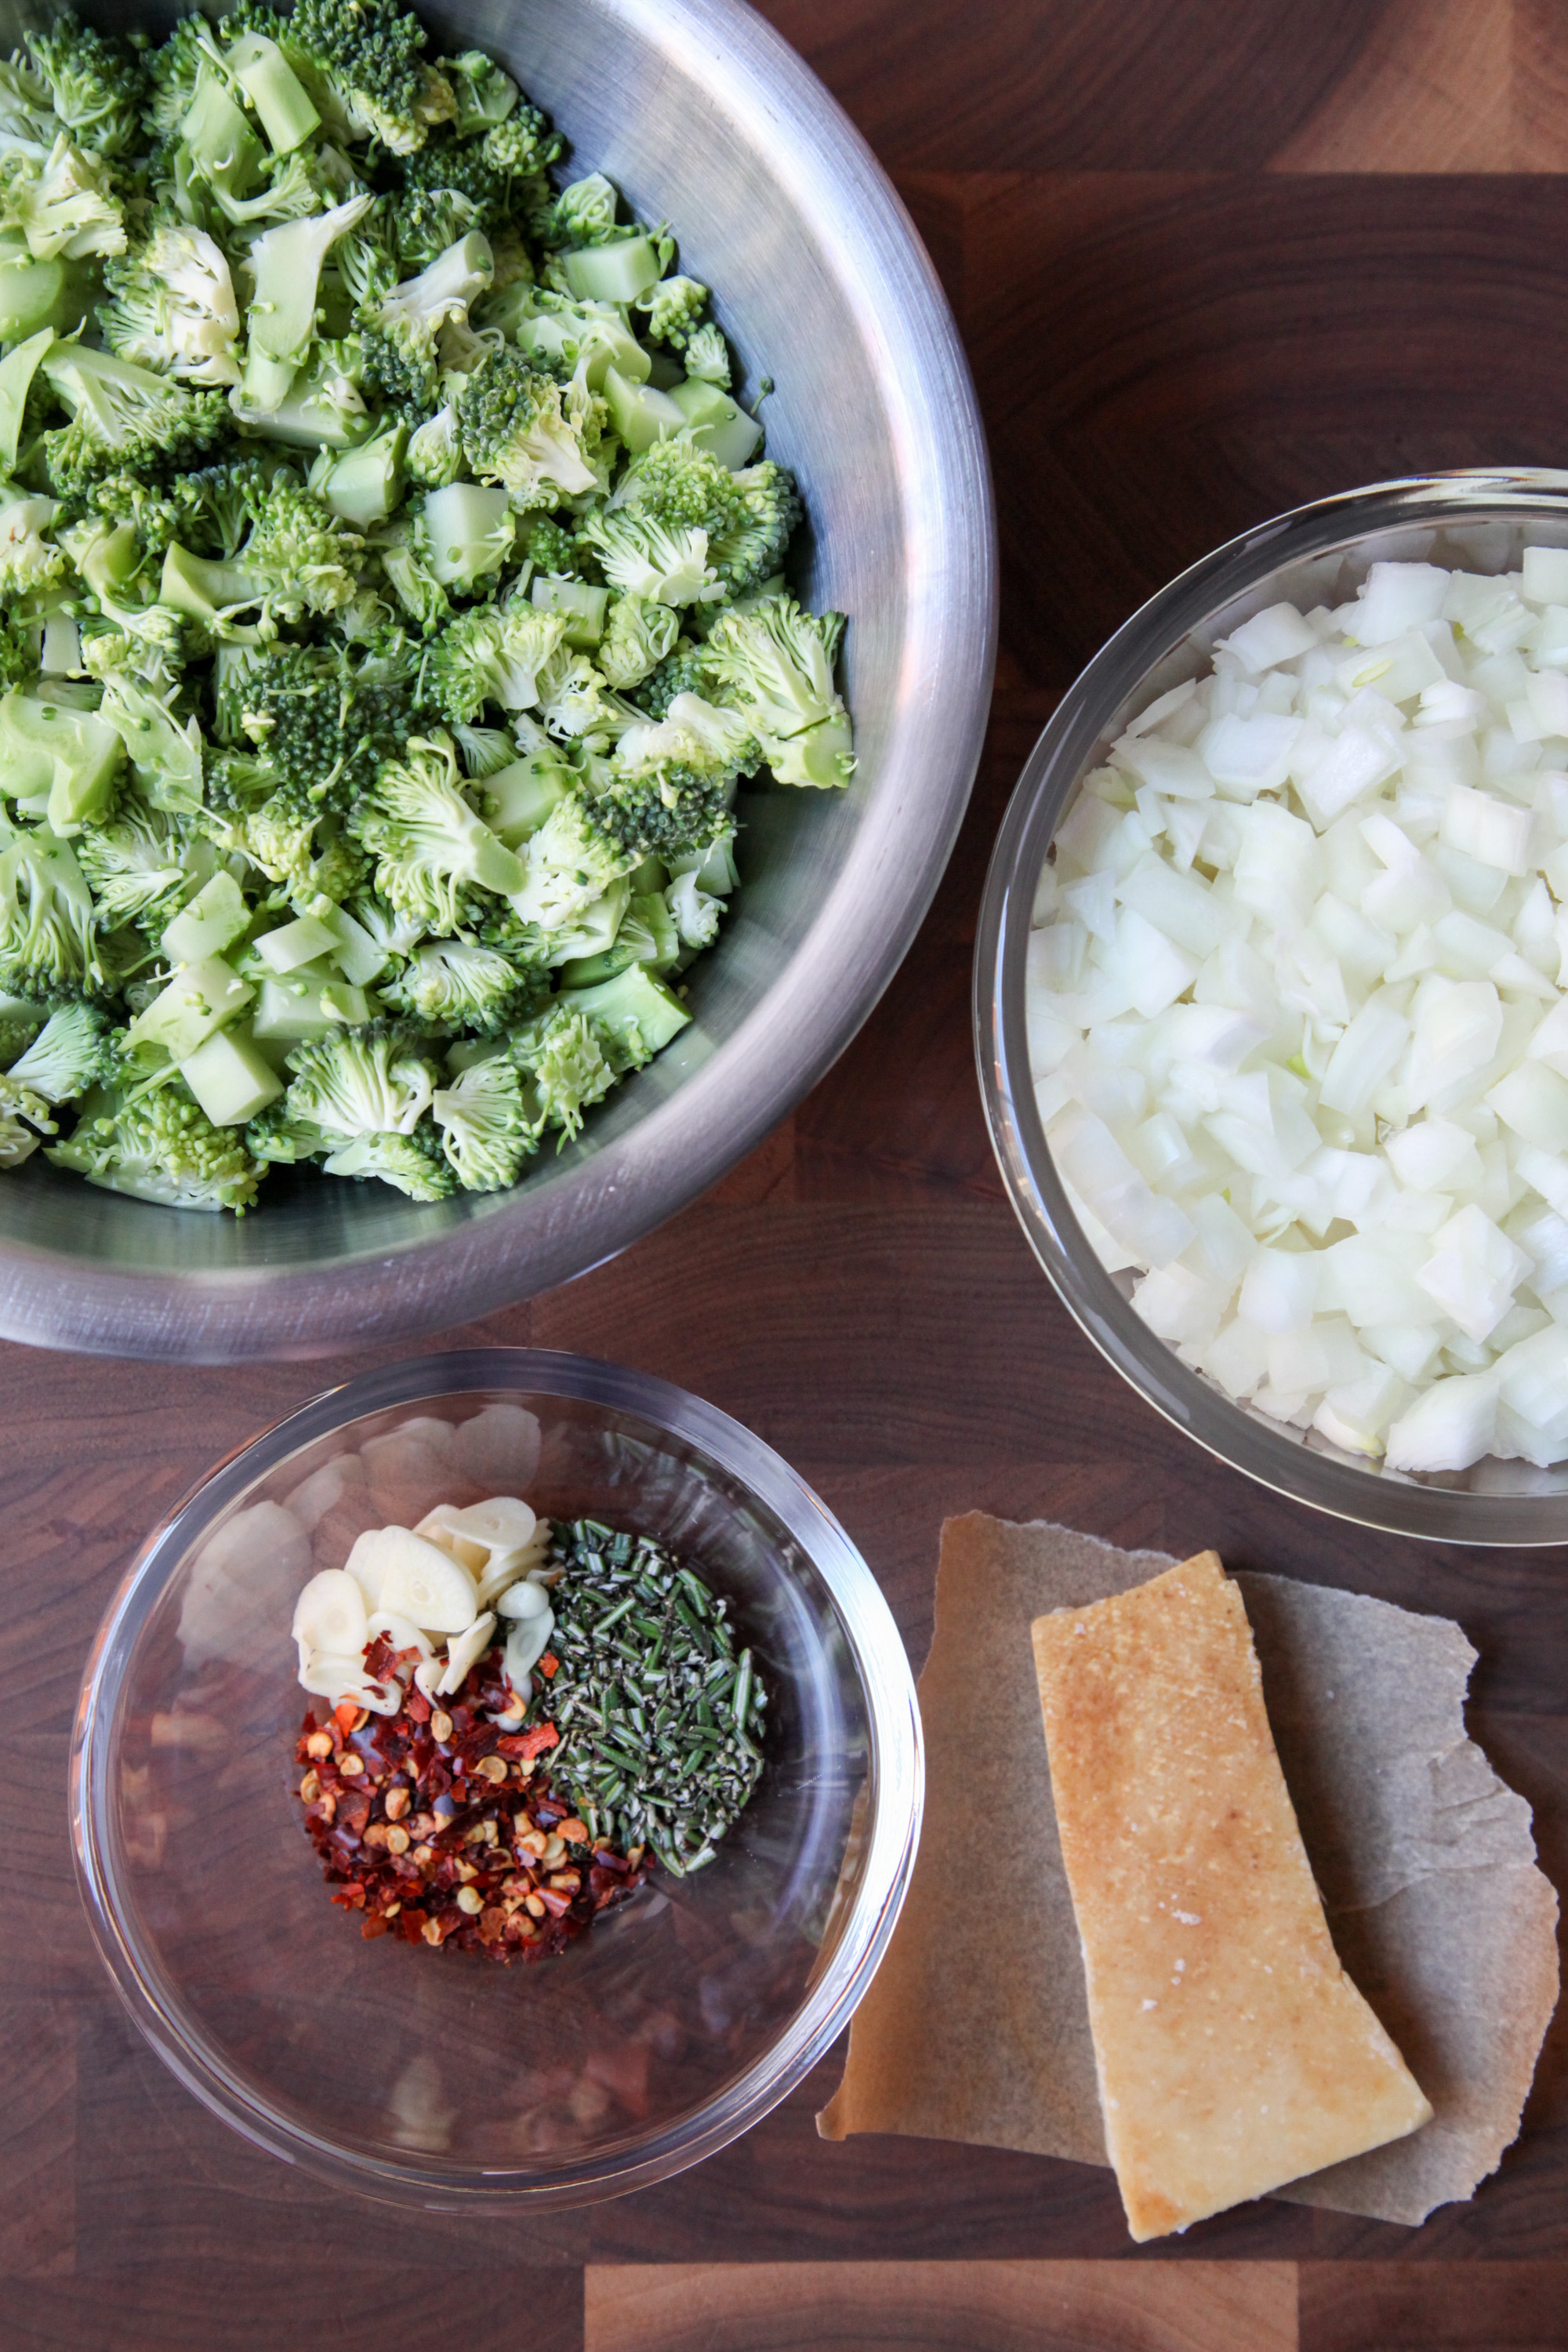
1209, 260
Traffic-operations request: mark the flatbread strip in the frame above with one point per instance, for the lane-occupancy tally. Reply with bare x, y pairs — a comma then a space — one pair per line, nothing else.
1233, 2053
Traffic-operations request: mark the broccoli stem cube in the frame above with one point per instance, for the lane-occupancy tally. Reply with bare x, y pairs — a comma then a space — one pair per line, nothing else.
197, 1000
636, 1001
304, 941
268, 79
17, 369
469, 532
221, 144
717, 424
308, 1003
356, 953
202, 587
517, 799
38, 294
229, 1078
640, 414
64, 758
214, 919
365, 484
583, 606
614, 273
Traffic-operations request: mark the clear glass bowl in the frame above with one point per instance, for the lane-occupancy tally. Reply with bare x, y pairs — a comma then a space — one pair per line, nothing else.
1316, 554
447, 2079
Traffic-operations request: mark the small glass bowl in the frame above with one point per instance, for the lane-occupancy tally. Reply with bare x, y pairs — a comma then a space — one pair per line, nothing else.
446, 2079
1316, 554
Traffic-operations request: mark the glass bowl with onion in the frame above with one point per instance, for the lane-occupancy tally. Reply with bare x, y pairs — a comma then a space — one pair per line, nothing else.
1270, 1013
437, 2078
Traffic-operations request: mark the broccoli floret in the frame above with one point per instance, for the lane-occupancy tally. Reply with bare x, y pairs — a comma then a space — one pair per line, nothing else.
564, 1056
125, 419
668, 788
29, 563
171, 306
98, 87
27, 115
586, 213
638, 636
403, 558
49, 949
372, 1081
673, 307
745, 521
431, 850
61, 202
368, 53
575, 702
219, 504
427, 221
321, 726
524, 147
520, 429
66, 1057
133, 868
774, 663
484, 95
411, 1163
434, 453
752, 549
159, 1145
488, 1127
166, 755
402, 327
668, 563
570, 861
491, 655
280, 323
460, 985
300, 558
274, 1137
173, 70
365, 256
23, 1122
707, 356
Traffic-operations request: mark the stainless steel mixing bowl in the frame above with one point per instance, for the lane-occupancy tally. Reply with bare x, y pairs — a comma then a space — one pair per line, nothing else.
1318, 554
701, 115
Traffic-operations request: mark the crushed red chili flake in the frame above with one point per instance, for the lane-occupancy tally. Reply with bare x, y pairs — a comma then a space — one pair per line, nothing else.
418, 1825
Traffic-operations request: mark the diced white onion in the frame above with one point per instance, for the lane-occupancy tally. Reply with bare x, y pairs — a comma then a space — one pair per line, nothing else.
1296, 1019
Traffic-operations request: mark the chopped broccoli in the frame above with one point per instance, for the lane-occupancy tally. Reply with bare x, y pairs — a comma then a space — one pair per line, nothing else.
171, 306
488, 1127
157, 1144
432, 851
370, 1081
522, 430
324, 428
458, 984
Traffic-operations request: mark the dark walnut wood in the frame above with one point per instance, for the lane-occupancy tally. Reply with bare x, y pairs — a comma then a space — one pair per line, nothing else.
1207, 263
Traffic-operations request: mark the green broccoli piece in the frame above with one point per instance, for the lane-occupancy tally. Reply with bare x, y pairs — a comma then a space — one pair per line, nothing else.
280, 323
490, 654
673, 309
165, 755
524, 147
23, 1122
752, 549
61, 204
48, 947
405, 560
411, 1163
483, 93
427, 221
98, 87
431, 850
322, 726
171, 306
133, 868
457, 985
401, 328
218, 505
172, 70
298, 558
551, 547
707, 356
365, 256
372, 1081
157, 1144
638, 636
487, 1126
367, 53
27, 115
667, 563
66, 1057
29, 563
125, 419
273, 1136
523, 430
435, 452
575, 703
774, 663
564, 1054
586, 213
570, 861
745, 520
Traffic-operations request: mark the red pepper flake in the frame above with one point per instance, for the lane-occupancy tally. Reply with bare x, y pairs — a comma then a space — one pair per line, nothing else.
549, 1666
413, 1828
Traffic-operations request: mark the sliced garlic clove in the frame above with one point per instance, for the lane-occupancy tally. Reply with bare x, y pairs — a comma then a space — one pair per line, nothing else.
335, 1675
423, 1582
525, 1645
330, 1613
504, 1523
464, 1652
524, 1599
401, 1632
437, 1527
427, 1675
382, 1698
367, 1563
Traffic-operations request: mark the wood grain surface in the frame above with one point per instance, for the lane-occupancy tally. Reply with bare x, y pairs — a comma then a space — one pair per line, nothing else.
1208, 259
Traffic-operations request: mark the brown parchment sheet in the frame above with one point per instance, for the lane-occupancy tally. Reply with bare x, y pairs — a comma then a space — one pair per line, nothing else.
976, 2027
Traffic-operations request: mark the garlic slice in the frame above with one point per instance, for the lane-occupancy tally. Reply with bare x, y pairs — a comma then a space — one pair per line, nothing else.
366, 1563
437, 1527
465, 1650
334, 1675
418, 1579
401, 1632
330, 1615
504, 1523
524, 1599
525, 1645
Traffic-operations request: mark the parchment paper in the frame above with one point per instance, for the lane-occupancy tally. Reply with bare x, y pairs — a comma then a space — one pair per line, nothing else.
976, 2027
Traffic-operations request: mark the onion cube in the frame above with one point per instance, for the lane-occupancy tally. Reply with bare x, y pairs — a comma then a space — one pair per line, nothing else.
1278, 634
1280, 1290
1545, 570
1473, 1271
1492, 832
1397, 597
1533, 1101
1249, 756
1357, 760
1452, 1425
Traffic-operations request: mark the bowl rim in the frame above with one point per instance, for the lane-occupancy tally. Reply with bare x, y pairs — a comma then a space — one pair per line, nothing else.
621, 1189
1327, 1482
896, 1771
